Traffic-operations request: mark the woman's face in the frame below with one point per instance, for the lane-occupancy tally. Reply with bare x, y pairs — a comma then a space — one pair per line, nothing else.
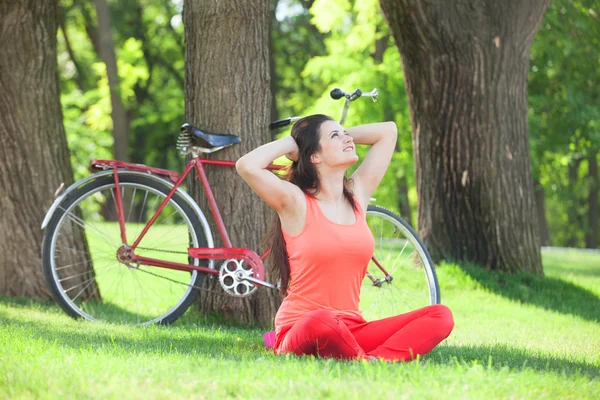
337, 147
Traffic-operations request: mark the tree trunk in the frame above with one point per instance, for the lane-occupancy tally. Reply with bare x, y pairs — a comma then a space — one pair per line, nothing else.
227, 90
106, 49
540, 207
81, 75
34, 158
573, 203
465, 64
593, 221
273, 83
403, 203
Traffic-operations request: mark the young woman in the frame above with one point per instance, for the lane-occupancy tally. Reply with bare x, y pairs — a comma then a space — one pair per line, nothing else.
322, 245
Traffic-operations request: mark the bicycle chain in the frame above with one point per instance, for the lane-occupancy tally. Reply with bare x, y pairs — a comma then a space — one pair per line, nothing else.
164, 251
172, 280
184, 284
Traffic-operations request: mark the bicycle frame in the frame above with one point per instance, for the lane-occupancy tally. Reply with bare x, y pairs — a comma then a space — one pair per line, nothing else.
223, 253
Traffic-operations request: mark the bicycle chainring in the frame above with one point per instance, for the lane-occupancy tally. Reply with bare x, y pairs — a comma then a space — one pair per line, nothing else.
231, 278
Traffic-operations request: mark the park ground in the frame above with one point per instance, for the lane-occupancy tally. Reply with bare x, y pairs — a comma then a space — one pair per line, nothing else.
515, 337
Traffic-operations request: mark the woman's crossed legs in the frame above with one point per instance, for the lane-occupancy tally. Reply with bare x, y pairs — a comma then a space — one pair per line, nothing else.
398, 338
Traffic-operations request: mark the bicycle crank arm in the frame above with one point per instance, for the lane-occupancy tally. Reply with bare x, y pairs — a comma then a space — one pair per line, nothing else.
260, 282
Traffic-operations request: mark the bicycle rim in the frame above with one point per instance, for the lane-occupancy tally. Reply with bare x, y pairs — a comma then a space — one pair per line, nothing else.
405, 278
90, 279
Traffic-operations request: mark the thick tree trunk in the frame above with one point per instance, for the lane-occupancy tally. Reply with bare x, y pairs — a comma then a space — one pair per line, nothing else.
34, 158
593, 221
540, 207
106, 49
227, 90
465, 64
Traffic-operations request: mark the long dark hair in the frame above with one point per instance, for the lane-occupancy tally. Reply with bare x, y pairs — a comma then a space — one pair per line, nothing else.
302, 173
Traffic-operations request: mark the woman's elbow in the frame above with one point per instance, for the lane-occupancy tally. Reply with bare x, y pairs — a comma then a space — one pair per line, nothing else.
392, 128
241, 166
245, 168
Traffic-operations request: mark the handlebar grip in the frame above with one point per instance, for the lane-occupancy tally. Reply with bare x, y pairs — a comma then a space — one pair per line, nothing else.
337, 93
280, 123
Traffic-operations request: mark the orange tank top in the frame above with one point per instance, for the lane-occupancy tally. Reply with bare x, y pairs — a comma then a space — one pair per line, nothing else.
328, 262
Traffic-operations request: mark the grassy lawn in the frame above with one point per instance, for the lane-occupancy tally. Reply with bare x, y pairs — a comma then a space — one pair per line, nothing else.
525, 337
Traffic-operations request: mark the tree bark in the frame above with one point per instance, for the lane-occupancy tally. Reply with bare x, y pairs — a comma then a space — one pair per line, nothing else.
593, 221
227, 90
465, 64
106, 49
540, 207
34, 158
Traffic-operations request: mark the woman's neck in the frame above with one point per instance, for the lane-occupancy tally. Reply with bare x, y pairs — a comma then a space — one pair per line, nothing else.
331, 187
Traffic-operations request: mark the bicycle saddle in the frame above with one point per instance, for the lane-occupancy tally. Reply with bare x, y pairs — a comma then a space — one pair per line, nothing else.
213, 139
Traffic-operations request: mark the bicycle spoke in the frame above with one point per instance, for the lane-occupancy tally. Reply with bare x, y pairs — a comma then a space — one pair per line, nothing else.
83, 224
131, 205
407, 285
394, 265
89, 276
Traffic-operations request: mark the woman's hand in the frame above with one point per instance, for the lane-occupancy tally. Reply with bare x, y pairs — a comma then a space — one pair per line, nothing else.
277, 193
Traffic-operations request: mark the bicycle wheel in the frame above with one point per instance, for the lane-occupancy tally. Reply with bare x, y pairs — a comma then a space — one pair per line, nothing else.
405, 278
82, 245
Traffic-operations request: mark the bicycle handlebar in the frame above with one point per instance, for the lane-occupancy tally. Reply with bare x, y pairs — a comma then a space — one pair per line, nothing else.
335, 94
283, 122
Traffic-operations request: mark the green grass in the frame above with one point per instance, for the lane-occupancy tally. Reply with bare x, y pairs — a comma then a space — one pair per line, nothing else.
519, 337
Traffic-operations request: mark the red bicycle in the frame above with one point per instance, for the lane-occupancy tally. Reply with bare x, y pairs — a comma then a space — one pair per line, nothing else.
129, 244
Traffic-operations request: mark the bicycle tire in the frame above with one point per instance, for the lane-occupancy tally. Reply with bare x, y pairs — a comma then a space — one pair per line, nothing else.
416, 288
196, 237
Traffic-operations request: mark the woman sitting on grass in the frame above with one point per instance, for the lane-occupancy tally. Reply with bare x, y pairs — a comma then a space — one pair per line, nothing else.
322, 244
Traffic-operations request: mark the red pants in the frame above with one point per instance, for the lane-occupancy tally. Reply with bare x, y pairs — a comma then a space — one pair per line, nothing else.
399, 338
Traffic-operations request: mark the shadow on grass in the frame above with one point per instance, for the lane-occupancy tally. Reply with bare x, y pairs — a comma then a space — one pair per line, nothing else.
98, 310
192, 317
501, 356
196, 334
545, 292
141, 340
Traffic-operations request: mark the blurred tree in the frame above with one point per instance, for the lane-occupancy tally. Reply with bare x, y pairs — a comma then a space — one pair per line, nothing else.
34, 155
148, 44
564, 119
227, 90
295, 40
466, 65
106, 49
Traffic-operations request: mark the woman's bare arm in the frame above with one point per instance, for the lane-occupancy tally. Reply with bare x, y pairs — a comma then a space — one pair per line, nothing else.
252, 167
382, 137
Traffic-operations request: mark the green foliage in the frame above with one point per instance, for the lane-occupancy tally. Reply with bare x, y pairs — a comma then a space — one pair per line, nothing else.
148, 38
564, 118
294, 42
